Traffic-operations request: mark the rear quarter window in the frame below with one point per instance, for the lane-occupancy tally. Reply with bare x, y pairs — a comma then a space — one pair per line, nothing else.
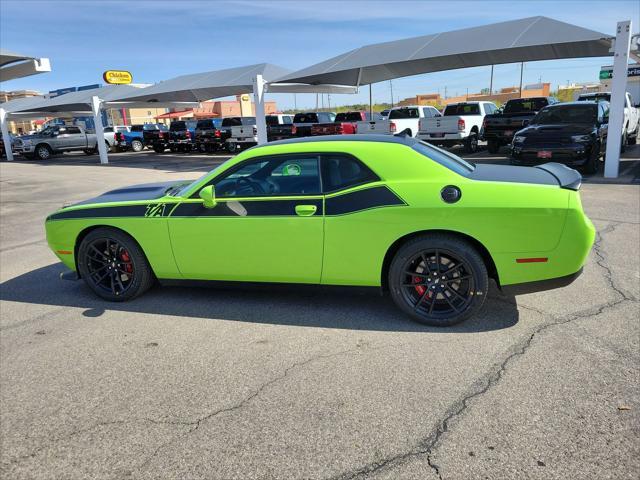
444, 158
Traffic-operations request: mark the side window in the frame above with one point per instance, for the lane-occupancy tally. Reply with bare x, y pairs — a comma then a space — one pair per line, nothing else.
272, 176
426, 111
342, 171
73, 130
108, 129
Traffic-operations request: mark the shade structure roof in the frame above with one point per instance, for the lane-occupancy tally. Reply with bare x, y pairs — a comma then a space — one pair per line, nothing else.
199, 87
523, 40
80, 101
7, 57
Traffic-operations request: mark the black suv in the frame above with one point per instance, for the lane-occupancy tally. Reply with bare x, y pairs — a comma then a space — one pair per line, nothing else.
572, 133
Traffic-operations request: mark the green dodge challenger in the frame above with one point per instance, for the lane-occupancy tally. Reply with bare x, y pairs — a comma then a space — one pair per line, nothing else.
364, 210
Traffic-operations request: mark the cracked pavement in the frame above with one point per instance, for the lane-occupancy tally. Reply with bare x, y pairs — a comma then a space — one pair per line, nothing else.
244, 384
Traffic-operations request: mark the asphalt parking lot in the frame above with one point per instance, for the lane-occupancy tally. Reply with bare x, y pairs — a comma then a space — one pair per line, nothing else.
285, 384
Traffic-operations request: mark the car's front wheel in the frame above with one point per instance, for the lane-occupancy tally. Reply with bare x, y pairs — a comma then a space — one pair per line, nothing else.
438, 280
43, 152
113, 265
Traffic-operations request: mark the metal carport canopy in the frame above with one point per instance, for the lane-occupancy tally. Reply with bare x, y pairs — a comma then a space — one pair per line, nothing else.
16, 65
524, 40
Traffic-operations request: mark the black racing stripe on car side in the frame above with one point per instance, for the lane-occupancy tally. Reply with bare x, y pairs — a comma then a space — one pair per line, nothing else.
141, 210
246, 208
374, 197
101, 212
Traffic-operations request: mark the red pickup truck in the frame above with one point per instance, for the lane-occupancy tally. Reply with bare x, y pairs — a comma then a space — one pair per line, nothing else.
344, 124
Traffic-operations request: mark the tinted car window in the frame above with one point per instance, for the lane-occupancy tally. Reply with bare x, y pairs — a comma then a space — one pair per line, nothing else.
108, 129
462, 109
341, 171
248, 121
73, 130
525, 105
272, 176
404, 113
594, 97
348, 117
305, 118
178, 125
137, 128
568, 113
272, 120
444, 158
231, 122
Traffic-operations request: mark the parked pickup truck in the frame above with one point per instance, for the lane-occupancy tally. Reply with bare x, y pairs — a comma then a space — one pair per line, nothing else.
156, 136
243, 136
345, 123
228, 122
631, 123
401, 120
182, 134
111, 135
55, 139
279, 126
499, 128
208, 135
302, 122
135, 137
459, 124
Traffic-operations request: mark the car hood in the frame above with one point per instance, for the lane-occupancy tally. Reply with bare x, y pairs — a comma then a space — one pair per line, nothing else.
27, 137
145, 191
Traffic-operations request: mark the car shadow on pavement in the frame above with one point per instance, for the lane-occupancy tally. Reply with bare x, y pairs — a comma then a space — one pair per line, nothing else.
306, 307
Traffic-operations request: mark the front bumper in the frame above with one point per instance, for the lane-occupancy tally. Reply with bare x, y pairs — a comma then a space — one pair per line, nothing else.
574, 155
24, 148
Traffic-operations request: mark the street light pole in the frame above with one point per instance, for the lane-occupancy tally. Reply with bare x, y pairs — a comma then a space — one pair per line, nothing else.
521, 70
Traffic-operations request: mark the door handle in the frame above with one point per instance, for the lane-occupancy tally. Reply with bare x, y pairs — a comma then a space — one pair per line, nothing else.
306, 210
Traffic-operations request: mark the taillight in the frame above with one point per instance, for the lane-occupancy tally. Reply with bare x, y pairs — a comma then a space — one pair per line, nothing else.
217, 133
392, 127
255, 130
188, 134
339, 130
484, 123
118, 137
460, 124
160, 135
294, 130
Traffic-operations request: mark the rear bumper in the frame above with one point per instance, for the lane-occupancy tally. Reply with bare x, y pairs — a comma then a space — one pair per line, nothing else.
498, 137
447, 138
541, 285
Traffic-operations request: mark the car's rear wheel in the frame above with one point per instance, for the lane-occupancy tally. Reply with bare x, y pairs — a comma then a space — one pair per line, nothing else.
471, 144
113, 265
137, 145
593, 162
438, 280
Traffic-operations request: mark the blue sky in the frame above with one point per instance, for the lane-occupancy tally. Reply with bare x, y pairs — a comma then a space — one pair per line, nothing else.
157, 39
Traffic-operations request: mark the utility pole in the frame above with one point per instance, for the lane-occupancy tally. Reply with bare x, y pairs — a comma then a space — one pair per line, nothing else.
445, 92
521, 70
491, 82
316, 101
329, 101
466, 97
295, 102
370, 103
391, 87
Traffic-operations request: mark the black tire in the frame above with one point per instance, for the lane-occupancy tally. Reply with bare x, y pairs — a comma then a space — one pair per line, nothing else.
107, 254
593, 162
458, 296
158, 149
43, 152
493, 146
624, 141
137, 145
634, 139
202, 148
471, 144
89, 151
172, 149
232, 147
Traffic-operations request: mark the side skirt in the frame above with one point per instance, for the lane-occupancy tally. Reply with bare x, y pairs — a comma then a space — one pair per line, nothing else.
540, 285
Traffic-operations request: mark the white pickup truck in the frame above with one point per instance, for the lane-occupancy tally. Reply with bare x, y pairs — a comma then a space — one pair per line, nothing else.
459, 124
631, 123
400, 120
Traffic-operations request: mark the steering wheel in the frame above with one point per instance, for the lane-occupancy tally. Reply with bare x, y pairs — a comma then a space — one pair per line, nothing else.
244, 182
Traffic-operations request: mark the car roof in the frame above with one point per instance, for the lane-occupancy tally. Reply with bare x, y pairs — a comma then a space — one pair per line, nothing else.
397, 139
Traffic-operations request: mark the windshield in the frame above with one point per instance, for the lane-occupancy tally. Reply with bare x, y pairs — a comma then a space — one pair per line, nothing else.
462, 109
563, 114
444, 158
525, 105
305, 118
185, 188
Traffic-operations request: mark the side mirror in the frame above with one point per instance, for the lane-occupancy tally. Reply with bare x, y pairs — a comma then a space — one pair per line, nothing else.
208, 196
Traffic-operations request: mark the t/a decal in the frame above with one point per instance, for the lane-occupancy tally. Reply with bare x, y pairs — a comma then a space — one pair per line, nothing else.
155, 210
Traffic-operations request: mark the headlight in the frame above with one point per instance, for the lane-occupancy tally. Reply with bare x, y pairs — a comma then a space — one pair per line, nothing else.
580, 138
26, 142
519, 139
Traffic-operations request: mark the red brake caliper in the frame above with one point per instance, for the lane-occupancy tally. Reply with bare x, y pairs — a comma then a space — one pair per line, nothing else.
419, 288
124, 256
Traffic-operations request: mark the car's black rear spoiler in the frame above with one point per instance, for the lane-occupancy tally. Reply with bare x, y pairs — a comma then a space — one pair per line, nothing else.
567, 177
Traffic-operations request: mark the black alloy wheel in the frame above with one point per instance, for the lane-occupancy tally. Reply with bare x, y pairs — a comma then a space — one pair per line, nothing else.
113, 265
438, 280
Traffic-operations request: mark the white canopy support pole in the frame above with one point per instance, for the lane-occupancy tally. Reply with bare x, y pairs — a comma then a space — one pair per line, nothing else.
97, 121
261, 120
618, 92
5, 134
